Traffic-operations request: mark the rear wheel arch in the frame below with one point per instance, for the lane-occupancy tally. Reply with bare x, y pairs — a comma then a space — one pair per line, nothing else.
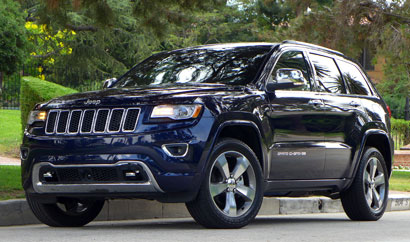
379, 140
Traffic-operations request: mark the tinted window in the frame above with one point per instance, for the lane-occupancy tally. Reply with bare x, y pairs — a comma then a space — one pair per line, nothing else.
293, 60
328, 76
353, 78
227, 65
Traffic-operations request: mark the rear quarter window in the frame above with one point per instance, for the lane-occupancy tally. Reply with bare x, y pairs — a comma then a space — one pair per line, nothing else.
354, 79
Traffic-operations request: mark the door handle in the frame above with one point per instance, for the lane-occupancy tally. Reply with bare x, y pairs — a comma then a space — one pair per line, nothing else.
354, 104
316, 102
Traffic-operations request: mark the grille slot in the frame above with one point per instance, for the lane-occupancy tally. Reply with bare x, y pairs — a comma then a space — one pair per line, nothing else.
92, 121
87, 121
74, 121
101, 120
62, 121
131, 119
115, 120
51, 121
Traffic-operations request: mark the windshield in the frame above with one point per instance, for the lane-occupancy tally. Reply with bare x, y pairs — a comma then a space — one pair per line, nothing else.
225, 65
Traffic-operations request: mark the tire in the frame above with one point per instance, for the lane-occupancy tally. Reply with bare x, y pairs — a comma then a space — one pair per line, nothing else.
366, 199
231, 193
69, 213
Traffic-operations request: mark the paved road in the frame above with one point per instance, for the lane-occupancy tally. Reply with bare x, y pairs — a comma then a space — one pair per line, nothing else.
394, 226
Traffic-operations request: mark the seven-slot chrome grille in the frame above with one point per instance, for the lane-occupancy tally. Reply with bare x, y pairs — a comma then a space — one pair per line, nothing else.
92, 121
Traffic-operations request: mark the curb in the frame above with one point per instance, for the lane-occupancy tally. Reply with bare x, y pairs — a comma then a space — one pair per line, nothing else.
17, 212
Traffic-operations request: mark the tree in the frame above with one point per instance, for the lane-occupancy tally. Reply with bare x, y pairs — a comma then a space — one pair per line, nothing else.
13, 39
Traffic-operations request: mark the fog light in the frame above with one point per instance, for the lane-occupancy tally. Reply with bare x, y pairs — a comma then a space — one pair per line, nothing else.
49, 176
131, 173
176, 150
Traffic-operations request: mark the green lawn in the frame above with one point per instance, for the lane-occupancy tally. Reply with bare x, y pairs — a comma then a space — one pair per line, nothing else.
400, 181
10, 183
10, 132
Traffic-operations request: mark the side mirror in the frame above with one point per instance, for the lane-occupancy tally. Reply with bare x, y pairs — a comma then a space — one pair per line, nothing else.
286, 78
109, 83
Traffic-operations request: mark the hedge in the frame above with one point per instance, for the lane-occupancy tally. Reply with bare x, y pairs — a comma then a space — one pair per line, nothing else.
401, 132
34, 90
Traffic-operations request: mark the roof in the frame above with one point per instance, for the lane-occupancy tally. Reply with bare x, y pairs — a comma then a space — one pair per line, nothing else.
313, 46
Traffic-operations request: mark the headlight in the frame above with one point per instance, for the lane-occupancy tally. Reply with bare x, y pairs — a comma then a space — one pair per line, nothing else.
176, 112
35, 116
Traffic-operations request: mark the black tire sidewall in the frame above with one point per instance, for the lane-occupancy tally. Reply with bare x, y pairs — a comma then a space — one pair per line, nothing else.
52, 215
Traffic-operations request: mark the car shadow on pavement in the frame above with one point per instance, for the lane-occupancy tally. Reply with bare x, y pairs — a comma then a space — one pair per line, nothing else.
190, 224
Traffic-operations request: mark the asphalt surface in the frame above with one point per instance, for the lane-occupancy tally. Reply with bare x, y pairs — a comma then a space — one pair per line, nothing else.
394, 226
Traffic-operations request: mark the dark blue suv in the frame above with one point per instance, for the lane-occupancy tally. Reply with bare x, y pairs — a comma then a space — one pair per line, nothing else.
217, 127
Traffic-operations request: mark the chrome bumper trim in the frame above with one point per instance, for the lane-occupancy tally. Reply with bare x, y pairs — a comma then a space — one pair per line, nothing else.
150, 186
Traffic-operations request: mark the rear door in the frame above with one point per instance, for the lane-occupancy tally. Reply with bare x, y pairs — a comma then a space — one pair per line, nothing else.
297, 151
344, 116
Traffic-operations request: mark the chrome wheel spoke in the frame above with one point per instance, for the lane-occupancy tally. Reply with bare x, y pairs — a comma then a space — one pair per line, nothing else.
373, 168
369, 197
247, 192
230, 205
367, 178
376, 199
241, 165
217, 188
379, 180
222, 165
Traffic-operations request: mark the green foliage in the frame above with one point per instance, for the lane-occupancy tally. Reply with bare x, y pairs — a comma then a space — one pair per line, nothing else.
34, 90
396, 104
10, 132
401, 132
395, 48
13, 39
10, 183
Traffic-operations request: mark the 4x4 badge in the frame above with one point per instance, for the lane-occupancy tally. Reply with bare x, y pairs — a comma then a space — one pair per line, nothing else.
95, 102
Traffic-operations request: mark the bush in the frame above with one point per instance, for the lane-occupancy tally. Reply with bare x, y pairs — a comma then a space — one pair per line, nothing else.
34, 90
401, 132
396, 104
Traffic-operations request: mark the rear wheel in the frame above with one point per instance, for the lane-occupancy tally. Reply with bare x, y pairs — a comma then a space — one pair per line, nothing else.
68, 212
366, 199
231, 193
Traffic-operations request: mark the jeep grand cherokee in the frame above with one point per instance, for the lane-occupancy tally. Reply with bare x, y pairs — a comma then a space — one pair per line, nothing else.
217, 127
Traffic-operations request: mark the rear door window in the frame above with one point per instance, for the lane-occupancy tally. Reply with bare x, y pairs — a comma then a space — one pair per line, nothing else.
354, 78
327, 74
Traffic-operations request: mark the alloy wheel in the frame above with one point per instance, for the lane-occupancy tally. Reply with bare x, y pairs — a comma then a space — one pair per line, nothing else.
374, 184
232, 183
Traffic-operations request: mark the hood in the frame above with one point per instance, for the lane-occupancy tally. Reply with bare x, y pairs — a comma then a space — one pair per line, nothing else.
141, 96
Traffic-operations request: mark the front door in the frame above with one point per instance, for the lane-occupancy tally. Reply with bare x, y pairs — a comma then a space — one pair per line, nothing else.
296, 116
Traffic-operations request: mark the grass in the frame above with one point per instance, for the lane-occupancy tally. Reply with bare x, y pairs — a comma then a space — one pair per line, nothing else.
400, 181
10, 183
10, 132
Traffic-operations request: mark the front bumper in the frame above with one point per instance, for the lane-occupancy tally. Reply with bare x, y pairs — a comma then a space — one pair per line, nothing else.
40, 185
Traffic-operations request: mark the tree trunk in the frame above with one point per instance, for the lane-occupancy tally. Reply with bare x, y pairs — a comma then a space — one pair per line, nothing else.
1, 82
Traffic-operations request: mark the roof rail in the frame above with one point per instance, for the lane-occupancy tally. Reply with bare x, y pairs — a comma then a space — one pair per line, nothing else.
311, 45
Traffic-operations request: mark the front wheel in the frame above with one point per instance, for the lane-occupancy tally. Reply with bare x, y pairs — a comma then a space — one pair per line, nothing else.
68, 212
366, 199
231, 193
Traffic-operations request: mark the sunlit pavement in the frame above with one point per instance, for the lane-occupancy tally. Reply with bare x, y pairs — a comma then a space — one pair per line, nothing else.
394, 226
